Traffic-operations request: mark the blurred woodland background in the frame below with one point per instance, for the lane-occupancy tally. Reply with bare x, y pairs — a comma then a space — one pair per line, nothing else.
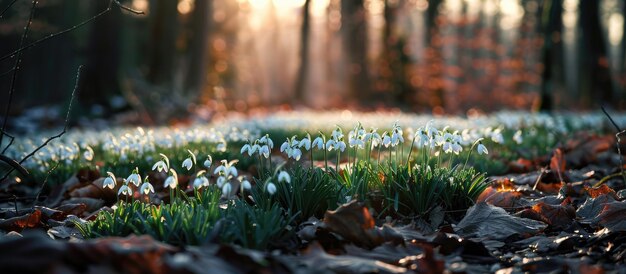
205, 56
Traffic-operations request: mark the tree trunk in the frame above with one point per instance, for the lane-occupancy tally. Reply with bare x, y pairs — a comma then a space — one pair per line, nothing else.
197, 55
354, 33
305, 28
551, 25
431, 18
164, 15
595, 73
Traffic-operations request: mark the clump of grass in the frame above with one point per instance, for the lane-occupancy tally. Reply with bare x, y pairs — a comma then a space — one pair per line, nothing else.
411, 192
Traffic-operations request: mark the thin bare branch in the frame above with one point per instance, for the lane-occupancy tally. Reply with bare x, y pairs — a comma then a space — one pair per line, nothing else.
7, 8
611, 119
16, 69
67, 119
10, 142
137, 12
53, 35
45, 181
7, 72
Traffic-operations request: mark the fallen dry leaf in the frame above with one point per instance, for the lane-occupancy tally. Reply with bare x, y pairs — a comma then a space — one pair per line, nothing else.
316, 258
484, 220
556, 216
353, 222
19, 223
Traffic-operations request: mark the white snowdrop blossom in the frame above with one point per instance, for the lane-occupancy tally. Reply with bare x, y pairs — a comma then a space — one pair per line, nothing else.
125, 190
283, 176
109, 181
291, 148
208, 162
187, 164
318, 143
88, 154
482, 149
496, 136
172, 180
146, 187
134, 178
226, 169
221, 181
245, 184
305, 142
159, 166
200, 181
356, 137
271, 188
517, 137
226, 189
386, 139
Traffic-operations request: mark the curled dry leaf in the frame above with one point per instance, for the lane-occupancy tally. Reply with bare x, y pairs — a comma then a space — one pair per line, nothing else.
19, 223
484, 220
592, 207
594, 192
91, 204
505, 199
353, 222
556, 216
316, 258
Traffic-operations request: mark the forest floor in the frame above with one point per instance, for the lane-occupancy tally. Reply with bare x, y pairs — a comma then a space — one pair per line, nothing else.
560, 211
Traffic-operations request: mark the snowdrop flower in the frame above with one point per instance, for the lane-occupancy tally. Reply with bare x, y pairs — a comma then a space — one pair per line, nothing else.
221, 145
267, 141
457, 148
318, 142
337, 134
226, 169
496, 136
125, 190
341, 146
285, 146
245, 148
482, 149
386, 139
146, 187
200, 181
109, 181
305, 142
283, 176
517, 137
271, 188
226, 189
190, 161
163, 164
88, 154
208, 161
265, 151
375, 138
245, 184
396, 135
134, 178
171, 181
188, 164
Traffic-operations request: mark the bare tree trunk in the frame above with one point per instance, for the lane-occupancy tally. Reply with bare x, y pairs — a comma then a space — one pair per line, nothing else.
551, 25
431, 18
595, 73
394, 60
354, 33
197, 55
164, 14
305, 30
